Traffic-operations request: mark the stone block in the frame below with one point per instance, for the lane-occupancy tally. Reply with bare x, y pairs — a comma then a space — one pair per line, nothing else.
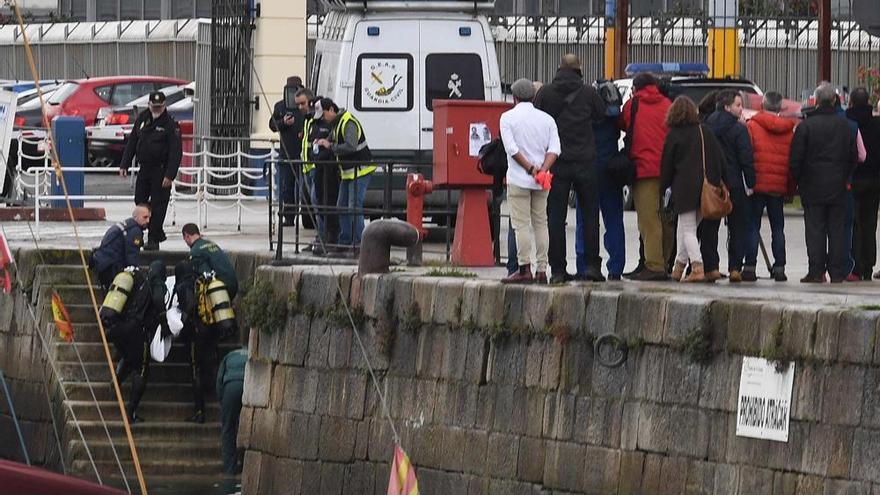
502, 455
301, 390
828, 451
681, 380
305, 437
530, 462
470, 308
375, 292
360, 477
319, 344
857, 336
785, 483
287, 476
268, 345
263, 433
799, 328
866, 455
446, 404
533, 412
871, 399
843, 487
474, 451
755, 480
433, 481
614, 382
322, 290
601, 470
576, 368
649, 381
563, 466
466, 406
631, 467
674, 430
423, 289
808, 386
673, 475
454, 354
551, 364
641, 316
477, 357
559, 416
726, 478
684, 315
403, 297
827, 334
538, 311
507, 361
257, 383
700, 478
491, 310
842, 394
569, 308
810, 485
720, 312
423, 406
250, 475
381, 447
404, 352
362, 439
604, 417
295, 345
453, 443
514, 317
448, 302
485, 414
340, 347
534, 359
651, 474
720, 382
245, 424
332, 475
601, 313
743, 336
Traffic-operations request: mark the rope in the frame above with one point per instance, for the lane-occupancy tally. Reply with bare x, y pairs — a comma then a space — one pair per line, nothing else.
60, 174
310, 211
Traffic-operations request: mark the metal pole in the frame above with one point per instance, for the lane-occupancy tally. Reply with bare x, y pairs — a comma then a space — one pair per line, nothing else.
27, 458
824, 42
621, 47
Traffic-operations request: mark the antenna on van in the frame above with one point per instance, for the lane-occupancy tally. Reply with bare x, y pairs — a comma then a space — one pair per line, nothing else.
79, 65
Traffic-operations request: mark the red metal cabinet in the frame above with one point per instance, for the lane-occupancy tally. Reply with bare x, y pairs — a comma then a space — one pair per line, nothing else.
455, 124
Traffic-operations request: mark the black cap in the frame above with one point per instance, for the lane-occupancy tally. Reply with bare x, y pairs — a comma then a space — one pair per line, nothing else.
157, 98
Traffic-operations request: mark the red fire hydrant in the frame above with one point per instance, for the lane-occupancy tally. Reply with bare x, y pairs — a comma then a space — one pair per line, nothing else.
416, 189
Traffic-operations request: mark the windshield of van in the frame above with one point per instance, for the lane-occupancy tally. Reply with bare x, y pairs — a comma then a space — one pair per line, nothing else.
453, 76
63, 92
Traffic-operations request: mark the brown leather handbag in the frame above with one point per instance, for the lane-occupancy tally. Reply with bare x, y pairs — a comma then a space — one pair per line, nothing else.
715, 202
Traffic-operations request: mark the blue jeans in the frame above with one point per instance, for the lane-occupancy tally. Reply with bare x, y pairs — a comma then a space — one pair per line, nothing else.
611, 207
774, 205
351, 195
313, 199
287, 188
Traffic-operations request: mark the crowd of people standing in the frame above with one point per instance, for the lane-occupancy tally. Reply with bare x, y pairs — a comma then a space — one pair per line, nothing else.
677, 148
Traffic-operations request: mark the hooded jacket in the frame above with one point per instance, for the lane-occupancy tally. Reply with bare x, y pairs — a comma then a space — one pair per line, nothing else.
823, 155
734, 139
866, 178
573, 120
649, 132
771, 137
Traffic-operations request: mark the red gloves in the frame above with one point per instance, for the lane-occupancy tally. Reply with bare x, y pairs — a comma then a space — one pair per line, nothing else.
544, 178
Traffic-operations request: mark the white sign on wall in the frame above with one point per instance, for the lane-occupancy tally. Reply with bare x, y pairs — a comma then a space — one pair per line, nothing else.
764, 402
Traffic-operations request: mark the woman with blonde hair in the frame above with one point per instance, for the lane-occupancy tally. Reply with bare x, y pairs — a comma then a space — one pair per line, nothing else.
690, 151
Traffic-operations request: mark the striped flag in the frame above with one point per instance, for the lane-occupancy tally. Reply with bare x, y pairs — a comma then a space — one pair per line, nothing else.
62, 318
403, 475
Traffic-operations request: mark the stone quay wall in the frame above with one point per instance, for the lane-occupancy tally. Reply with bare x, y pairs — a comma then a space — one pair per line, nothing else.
496, 389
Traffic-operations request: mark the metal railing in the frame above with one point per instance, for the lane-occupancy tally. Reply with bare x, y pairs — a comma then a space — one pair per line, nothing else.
213, 181
385, 198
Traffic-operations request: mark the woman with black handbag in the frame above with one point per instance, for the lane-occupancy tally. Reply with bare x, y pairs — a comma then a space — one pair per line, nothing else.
691, 153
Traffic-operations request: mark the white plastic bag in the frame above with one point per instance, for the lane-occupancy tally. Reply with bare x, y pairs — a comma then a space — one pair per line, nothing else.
173, 315
160, 348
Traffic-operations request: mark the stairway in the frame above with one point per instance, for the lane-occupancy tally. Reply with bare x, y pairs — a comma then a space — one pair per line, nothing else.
166, 444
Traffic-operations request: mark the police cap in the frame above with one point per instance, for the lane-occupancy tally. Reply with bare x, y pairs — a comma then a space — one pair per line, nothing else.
157, 98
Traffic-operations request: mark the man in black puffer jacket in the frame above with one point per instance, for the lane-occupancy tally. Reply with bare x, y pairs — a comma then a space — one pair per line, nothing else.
739, 175
823, 157
575, 107
865, 184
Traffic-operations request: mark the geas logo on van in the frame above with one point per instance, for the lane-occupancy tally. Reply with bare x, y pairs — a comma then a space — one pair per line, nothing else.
384, 82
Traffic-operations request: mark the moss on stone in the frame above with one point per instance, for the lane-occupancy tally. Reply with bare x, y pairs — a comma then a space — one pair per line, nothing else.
263, 309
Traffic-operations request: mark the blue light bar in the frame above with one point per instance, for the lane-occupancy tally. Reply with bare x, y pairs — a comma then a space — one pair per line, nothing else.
373, 31
464, 31
692, 68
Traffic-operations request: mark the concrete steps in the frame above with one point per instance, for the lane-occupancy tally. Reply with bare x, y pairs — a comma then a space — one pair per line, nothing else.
167, 445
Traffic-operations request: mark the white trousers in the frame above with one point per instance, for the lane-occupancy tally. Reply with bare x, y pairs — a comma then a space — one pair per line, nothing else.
686, 238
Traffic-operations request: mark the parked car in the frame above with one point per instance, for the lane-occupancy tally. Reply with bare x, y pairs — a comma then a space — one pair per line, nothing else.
32, 94
20, 86
85, 97
108, 137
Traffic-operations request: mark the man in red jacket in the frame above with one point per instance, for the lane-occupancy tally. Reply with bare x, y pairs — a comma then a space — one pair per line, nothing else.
649, 133
771, 137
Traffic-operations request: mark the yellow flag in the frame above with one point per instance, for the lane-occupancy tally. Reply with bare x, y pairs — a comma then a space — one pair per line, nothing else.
62, 318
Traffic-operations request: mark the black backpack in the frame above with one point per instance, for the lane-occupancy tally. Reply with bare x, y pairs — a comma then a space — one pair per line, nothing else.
493, 159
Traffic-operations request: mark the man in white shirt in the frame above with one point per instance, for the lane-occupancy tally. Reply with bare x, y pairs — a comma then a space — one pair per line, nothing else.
531, 141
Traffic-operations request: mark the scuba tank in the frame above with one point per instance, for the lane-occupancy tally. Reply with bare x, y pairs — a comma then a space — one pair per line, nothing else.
215, 308
117, 296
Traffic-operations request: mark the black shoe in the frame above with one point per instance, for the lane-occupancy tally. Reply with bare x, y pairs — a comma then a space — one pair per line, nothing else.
613, 277
813, 279
749, 276
560, 278
197, 417
638, 269
778, 274
288, 222
134, 417
594, 276
151, 246
318, 250
649, 276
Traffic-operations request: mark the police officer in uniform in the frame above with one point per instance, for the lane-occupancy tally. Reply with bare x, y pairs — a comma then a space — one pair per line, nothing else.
205, 257
155, 140
120, 247
131, 331
287, 121
349, 143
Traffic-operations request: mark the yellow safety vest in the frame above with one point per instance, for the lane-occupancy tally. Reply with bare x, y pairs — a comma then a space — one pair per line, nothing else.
304, 154
362, 144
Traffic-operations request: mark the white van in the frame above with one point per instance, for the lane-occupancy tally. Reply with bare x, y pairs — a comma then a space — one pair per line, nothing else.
386, 61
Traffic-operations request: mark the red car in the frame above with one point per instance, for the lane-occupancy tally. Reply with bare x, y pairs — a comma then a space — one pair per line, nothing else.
85, 97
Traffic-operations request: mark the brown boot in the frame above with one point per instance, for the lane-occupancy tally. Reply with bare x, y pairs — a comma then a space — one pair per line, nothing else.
696, 275
677, 271
523, 276
712, 276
